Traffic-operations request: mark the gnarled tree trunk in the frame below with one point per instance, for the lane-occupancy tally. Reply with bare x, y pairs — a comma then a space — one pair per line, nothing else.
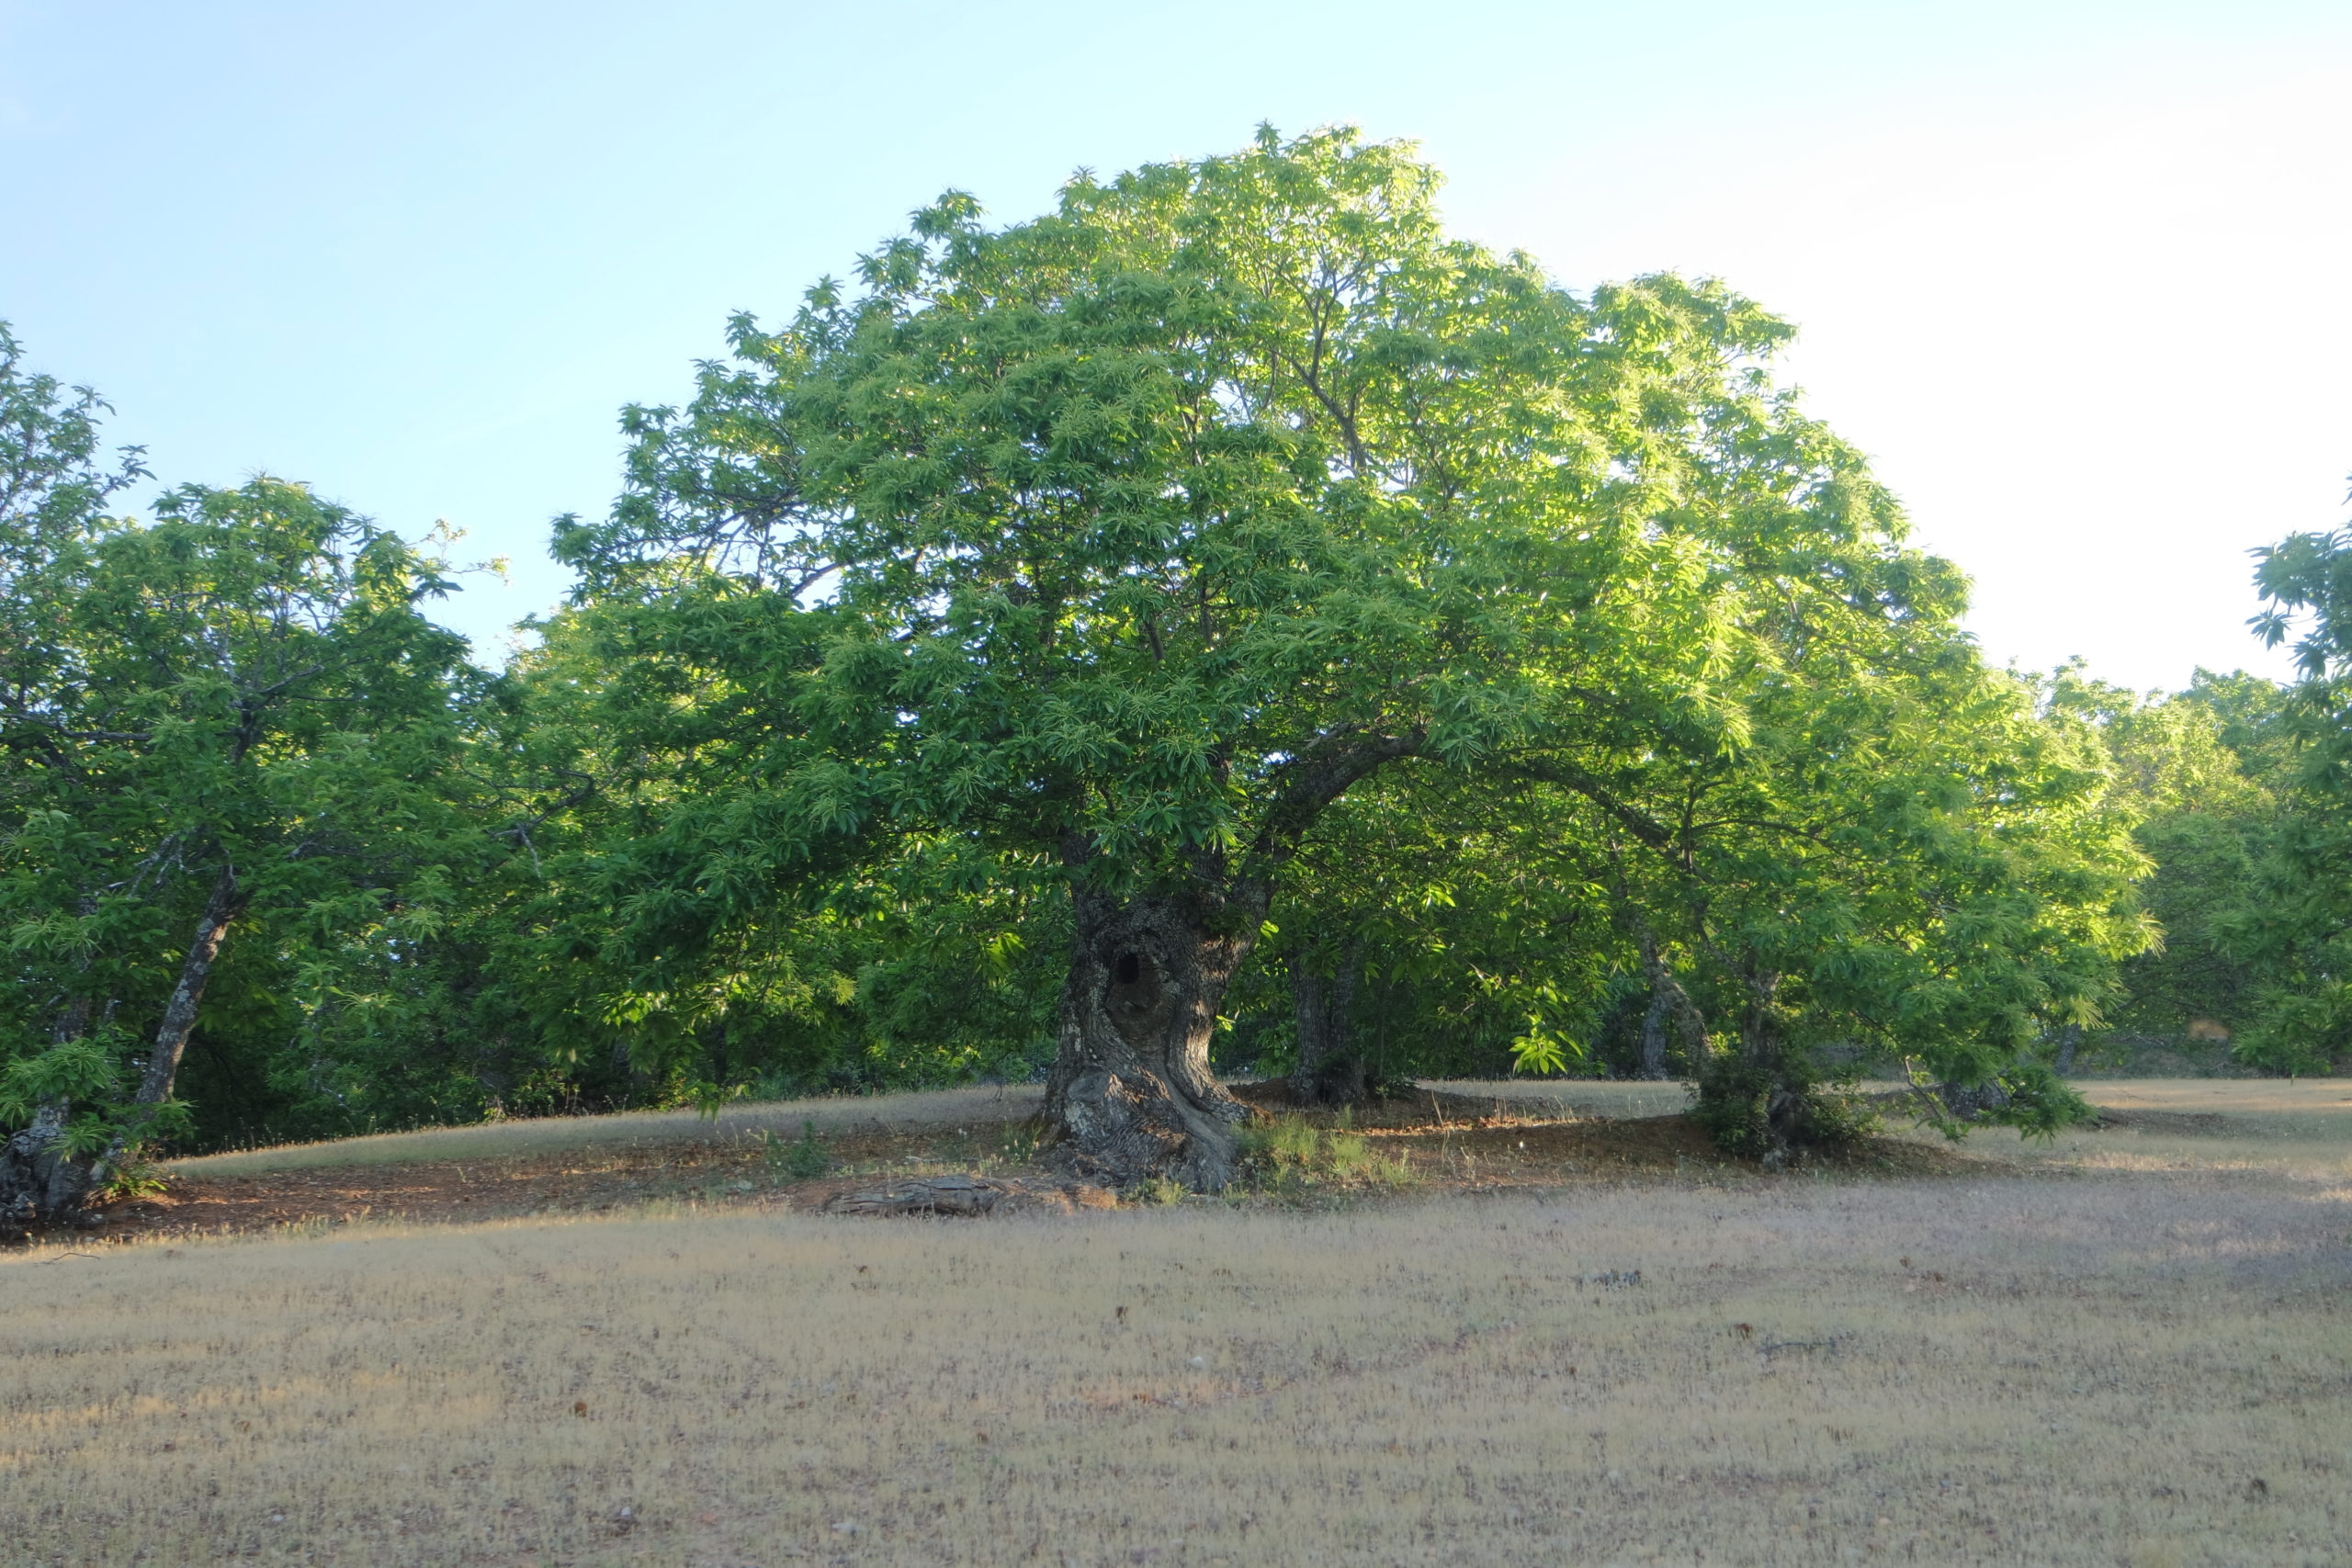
1968, 1102
1131, 1092
41, 1183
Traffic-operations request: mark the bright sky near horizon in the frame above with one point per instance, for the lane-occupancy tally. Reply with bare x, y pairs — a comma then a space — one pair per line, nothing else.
2073, 274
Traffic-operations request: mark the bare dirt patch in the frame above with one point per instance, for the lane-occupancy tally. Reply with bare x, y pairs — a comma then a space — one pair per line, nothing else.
1446, 1142
687, 1172
2168, 1123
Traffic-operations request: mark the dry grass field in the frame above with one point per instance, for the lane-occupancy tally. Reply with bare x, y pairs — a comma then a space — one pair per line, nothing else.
2133, 1347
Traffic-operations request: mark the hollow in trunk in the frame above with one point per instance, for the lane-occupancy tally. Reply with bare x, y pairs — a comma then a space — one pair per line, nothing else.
1131, 1092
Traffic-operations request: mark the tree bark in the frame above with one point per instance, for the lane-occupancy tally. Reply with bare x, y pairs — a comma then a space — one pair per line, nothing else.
1310, 1006
221, 905
1758, 1097
40, 1182
1331, 1069
2068, 1039
1651, 1064
179, 1014
1764, 1051
1131, 1092
1668, 999
1345, 1079
1651, 1061
1968, 1102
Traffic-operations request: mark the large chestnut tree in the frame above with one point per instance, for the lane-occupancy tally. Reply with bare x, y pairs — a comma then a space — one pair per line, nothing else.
1129, 540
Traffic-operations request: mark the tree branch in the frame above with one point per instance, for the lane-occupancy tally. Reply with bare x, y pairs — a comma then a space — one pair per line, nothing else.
1319, 776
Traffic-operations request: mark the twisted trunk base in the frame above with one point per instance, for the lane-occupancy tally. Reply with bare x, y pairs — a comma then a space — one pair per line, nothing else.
1969, 1102
1131, 1092
41, 1185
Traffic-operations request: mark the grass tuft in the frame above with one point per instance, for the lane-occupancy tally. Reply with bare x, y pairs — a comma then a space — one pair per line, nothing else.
1290, 1154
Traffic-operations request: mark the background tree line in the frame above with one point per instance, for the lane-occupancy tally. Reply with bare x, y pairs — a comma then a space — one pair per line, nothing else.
1224, 624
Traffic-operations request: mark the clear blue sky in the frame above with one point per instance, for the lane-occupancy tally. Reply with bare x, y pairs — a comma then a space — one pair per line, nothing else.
2075, 274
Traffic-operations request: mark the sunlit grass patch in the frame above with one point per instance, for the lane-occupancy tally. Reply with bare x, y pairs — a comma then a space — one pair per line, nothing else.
1291, 1154
519, 1139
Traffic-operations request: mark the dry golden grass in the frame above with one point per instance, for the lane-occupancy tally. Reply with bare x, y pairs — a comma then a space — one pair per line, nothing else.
2271, 1109
833, 1115
511, 1140
1582, 1097
2069, 1360
2298, 1130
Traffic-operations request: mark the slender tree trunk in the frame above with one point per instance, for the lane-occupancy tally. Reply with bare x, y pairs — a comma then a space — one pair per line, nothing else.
1668, 999
43, 1184
195, 969
1331, 1069
2068, 1038
1310, 1004
221, 905
1131, 1092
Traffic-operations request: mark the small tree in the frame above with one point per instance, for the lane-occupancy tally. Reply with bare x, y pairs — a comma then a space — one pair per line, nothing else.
242, 716
2293, 926
2206, 818
1900, 859
53, 492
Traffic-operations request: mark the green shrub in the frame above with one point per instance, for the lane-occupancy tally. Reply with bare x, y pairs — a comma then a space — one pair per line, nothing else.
804, 1158
1157, 1190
